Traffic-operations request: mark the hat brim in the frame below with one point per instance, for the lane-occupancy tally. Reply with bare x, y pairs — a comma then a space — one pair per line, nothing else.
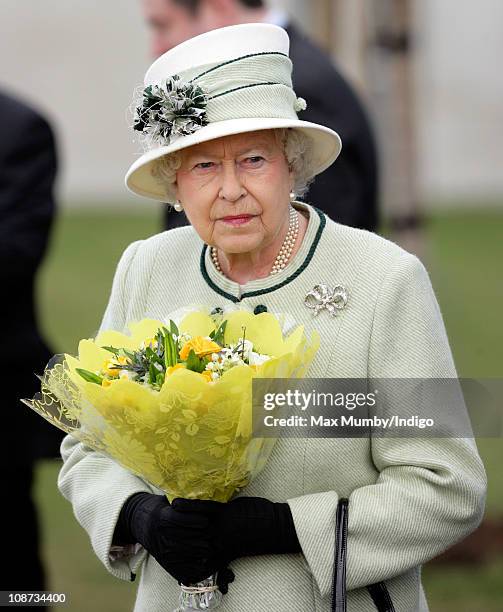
326, 148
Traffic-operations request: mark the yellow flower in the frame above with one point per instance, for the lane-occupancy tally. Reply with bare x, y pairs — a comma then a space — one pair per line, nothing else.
151, 342
201, 347
111, 367
105, 382
206, 374
171, 369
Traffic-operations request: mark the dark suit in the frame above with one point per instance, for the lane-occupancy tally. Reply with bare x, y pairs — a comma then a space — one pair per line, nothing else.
347, 190
27, 172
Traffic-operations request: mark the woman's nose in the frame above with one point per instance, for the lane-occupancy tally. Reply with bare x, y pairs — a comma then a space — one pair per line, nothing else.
232, 187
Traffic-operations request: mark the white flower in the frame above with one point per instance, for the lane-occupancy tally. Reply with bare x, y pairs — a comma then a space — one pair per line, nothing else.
257, 359
127, 374
299, 105
242, 348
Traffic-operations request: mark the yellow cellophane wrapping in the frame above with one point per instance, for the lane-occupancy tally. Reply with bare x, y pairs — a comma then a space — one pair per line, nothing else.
192, 438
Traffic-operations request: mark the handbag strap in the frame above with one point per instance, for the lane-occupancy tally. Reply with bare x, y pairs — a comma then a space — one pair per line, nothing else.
378, 591
380, 597
339, 578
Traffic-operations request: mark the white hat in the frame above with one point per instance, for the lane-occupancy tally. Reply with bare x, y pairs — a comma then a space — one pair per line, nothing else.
226, 81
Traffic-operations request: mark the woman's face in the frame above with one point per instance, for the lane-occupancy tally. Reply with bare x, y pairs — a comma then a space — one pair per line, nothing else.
235, 190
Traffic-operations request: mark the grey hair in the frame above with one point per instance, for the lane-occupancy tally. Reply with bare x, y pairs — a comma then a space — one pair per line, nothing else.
299, 155
298, 148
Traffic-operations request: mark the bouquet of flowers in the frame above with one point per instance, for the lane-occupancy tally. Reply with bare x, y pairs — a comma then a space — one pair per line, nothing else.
172, 402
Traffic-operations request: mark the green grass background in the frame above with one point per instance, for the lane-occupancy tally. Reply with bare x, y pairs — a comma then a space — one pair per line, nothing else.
464, 254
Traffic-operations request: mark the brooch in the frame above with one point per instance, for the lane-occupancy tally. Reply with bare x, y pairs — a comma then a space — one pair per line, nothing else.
323, 296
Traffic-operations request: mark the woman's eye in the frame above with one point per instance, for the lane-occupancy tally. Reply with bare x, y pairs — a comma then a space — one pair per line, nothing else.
204, 165
255, 160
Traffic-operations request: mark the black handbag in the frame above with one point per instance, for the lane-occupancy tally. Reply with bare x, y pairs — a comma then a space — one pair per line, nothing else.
378, 591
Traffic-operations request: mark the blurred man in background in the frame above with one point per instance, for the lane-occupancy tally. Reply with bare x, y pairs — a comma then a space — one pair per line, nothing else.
27, 173
347, 191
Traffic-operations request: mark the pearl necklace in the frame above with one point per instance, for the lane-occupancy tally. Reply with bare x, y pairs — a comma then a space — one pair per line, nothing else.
285, 251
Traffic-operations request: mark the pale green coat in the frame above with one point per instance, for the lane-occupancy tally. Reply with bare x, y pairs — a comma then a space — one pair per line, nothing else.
410, 498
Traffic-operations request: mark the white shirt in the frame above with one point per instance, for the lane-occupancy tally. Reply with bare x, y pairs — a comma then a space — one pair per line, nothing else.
276, 17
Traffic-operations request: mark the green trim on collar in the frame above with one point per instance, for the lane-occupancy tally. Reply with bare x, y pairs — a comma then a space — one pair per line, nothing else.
209, 282
301, 268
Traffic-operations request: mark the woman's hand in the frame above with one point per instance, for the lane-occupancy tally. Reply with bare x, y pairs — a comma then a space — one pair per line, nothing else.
242, 527
177, 540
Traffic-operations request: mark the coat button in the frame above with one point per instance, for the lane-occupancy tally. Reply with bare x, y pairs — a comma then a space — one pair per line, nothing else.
259, 308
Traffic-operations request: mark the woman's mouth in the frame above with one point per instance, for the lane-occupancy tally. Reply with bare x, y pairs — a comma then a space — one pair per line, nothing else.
236, 220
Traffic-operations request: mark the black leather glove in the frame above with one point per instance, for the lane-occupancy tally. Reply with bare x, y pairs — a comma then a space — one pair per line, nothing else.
244, 526
177, 540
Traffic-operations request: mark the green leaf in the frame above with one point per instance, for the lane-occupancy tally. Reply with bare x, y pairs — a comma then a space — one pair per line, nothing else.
89, 376
160, 344
218, 335
195, 363
112, 349
130, 355
152, 374
152, 357
170, 349
173, 328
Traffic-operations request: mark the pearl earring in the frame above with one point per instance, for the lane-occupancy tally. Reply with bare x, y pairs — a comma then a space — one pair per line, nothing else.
178, 206
292, 196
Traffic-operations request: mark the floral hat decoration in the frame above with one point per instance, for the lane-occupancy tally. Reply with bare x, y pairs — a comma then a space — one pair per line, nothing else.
228, 81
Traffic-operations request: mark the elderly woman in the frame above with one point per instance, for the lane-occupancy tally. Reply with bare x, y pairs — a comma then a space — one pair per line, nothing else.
225, 144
